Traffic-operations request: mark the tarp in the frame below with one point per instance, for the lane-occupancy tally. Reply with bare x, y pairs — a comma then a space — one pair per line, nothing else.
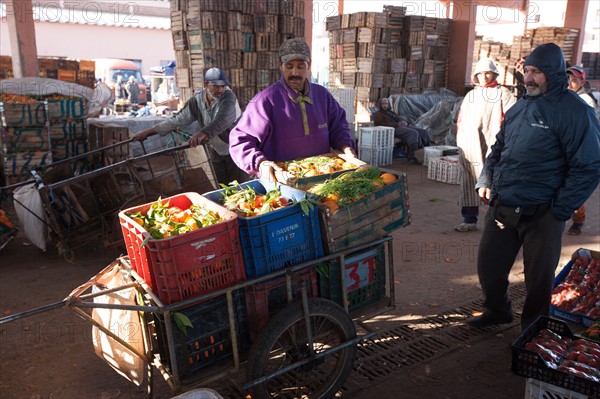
97, 98
434, 111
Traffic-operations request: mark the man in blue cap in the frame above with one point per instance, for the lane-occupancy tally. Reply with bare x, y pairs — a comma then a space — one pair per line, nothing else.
216, 110
544, 165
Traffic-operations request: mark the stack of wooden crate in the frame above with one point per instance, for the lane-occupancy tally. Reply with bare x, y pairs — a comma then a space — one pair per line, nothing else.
67, 126
36, 132
82, 72
25, 139
379, 54
507, 55
563, 37
6, 71
240, 37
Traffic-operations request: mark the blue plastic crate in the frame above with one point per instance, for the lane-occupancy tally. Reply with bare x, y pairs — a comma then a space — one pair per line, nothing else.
278, 239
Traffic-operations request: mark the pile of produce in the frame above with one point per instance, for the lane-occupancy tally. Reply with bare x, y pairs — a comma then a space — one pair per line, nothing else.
315, 166
592, 332
246, 202
350, 187
163, 220
578, 357
579, 292
9, 98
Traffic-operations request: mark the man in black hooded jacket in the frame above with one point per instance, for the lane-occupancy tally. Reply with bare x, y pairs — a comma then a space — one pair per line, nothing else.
544, 165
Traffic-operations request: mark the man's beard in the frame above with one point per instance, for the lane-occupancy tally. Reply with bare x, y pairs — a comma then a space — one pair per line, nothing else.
533, 91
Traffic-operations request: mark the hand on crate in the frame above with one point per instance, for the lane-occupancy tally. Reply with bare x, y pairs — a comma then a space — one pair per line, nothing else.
270, 171
144, 134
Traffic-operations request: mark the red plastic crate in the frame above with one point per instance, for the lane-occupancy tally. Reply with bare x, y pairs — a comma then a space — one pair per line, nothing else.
263, 300
191, 264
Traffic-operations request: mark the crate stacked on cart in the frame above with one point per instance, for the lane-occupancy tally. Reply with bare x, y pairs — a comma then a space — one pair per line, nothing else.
67, 126
25, 136
180, 265
272, 241
240, 37
345, 227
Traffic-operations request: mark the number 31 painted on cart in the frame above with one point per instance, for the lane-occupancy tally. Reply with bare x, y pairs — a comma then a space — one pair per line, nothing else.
360, 274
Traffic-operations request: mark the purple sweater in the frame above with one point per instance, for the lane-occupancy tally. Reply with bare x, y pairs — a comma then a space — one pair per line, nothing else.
272, 128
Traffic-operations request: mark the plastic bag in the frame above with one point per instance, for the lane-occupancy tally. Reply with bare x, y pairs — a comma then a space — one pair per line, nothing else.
125, 324
29, 209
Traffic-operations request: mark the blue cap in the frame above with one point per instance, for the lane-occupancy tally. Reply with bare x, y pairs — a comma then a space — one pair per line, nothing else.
216, 76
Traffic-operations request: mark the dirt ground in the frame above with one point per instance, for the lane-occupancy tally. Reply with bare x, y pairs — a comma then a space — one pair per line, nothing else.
50, 355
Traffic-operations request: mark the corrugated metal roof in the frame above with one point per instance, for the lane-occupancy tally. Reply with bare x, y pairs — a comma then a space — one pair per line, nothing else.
93, 14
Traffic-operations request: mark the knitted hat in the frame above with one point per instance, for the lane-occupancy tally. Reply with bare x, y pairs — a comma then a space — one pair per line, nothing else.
294, 49
216, 76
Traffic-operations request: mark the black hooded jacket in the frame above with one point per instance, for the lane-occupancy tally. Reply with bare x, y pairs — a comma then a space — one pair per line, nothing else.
548, 148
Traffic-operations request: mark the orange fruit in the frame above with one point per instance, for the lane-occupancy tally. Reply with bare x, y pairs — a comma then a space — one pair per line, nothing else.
378, 183
388, 178
332, 205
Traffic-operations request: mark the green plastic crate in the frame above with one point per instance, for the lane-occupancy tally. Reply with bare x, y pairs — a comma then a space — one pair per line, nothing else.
365, 278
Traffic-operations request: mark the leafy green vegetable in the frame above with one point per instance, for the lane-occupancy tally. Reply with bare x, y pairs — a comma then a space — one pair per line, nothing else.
182, 322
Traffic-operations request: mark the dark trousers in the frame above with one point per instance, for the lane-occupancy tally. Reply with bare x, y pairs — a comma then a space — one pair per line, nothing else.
470, 214
226, 170
540, 236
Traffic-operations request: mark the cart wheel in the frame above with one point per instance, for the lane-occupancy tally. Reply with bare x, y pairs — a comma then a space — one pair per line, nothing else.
285, 341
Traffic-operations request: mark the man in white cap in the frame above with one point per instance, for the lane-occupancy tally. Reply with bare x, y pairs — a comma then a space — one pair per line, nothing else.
479, 118
216, 110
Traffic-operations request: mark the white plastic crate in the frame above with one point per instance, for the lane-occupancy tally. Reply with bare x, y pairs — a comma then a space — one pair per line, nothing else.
438, 151
542, 390
445, 170
376, 156
376, 137
376, 145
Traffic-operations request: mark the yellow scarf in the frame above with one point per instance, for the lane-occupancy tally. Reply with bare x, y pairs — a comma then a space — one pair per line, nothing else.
302, 100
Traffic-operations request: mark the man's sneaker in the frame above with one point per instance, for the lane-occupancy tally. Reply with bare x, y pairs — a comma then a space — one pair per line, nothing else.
575, 229
464, 227
489, 318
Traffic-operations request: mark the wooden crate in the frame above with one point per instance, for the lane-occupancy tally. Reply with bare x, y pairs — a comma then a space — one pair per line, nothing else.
182, 77
18, 166
234, 21
349, 35
250, 60
25, 139
67, 130
67, 108
368, 35
235, 40
375, 216
68, 75
177, 21
266, 23
333, 23
268, 60
64, 149
24, 114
